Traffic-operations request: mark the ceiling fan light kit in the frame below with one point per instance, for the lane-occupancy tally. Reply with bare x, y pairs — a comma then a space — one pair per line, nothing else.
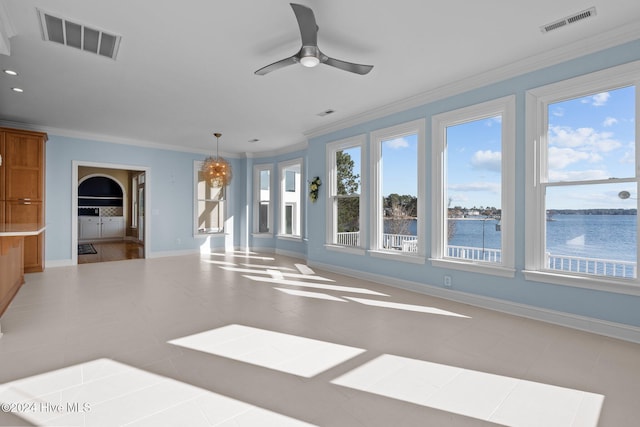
310, 55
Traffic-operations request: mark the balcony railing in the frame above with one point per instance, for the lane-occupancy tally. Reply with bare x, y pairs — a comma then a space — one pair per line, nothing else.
351, 238
594, 266
571, 264
474, 254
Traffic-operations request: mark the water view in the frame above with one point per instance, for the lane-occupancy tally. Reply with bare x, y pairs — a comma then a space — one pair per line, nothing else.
611, 237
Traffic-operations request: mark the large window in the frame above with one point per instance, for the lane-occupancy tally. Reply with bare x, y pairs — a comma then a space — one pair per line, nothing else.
398, 190
209, 204
582, 197
262, 195
344, 191
290, 198
473, 158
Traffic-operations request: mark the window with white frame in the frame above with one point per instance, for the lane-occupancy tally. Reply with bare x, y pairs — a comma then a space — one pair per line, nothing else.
209, 204
397, 190
473, 187
344, 190
263, 207
134, 201
290, 173
582, 187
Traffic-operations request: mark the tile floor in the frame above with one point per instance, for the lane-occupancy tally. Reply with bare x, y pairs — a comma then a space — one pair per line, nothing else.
261, 340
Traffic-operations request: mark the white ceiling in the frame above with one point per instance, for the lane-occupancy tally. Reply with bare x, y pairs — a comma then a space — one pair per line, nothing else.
185, 69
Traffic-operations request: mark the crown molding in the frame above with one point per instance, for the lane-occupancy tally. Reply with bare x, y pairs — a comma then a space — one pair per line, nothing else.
616, 37
300, 146
112, 139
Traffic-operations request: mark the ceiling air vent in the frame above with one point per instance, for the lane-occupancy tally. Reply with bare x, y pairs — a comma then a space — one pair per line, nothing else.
79, 36
569, 20
326, 113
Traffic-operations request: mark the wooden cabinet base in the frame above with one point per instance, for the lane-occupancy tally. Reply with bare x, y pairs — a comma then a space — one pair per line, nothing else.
11, 269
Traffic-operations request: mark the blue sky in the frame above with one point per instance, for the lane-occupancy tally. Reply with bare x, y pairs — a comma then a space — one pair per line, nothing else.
590, 138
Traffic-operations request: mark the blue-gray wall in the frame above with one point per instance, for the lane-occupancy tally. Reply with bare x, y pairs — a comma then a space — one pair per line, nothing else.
170, 188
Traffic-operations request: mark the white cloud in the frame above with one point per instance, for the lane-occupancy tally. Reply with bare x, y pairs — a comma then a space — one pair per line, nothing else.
629, 156
586, 175
560, 158
597, 100
609, 121
493, 120
584, 138
493, 187
558, 112
397, 143
487, 159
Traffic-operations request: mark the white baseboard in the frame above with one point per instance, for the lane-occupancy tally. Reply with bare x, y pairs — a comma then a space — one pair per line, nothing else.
182, 252
58, 263
587, 324
291, 254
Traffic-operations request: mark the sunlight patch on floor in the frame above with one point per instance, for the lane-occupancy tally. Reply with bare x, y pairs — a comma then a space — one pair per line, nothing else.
406, 307
304, 269
268, 270
105, 392
270, 267
300, 283
489, 397
292, 354
210, 261
307, 294
241, 255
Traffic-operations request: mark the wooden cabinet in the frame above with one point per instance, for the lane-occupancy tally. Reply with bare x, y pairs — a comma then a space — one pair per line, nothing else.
22, 188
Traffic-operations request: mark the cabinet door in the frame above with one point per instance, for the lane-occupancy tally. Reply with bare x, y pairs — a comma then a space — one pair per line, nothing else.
113, 227
34, 253
23, 212
23, 163
3, 166
89, 228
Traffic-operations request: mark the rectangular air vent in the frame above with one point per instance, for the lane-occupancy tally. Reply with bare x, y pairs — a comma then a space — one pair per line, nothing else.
79, 36
569, 20
326, 113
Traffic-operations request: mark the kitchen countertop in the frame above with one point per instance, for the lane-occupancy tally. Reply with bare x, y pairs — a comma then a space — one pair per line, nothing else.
13, 230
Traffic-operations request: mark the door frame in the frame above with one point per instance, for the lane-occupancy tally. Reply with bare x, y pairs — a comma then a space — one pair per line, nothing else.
75, 164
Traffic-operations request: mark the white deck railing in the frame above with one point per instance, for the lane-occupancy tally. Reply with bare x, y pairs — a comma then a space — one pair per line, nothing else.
351, 238
595, 266
474, 254
573, 264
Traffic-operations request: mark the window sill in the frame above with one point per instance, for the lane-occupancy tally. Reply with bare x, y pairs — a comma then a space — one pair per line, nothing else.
413, 259
345, 249
492, 269
290, 237
604, 284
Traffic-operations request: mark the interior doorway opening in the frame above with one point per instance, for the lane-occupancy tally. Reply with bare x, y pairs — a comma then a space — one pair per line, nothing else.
109, 205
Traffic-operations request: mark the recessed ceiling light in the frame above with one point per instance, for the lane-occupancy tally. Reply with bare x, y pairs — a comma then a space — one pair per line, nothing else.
17, 89
11, 72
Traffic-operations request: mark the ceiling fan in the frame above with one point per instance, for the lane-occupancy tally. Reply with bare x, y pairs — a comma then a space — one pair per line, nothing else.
310, 55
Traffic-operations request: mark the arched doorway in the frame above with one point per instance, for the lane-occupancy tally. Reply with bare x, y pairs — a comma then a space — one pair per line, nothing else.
109, 209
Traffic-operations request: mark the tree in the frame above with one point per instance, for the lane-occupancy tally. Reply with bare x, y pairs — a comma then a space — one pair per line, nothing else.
348, 184
399, 212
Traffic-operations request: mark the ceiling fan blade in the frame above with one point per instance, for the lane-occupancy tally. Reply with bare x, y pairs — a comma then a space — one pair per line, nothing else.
349, 66
277, 65
307, 24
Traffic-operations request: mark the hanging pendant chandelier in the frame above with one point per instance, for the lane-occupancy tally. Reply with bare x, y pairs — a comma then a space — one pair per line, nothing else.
216, 170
